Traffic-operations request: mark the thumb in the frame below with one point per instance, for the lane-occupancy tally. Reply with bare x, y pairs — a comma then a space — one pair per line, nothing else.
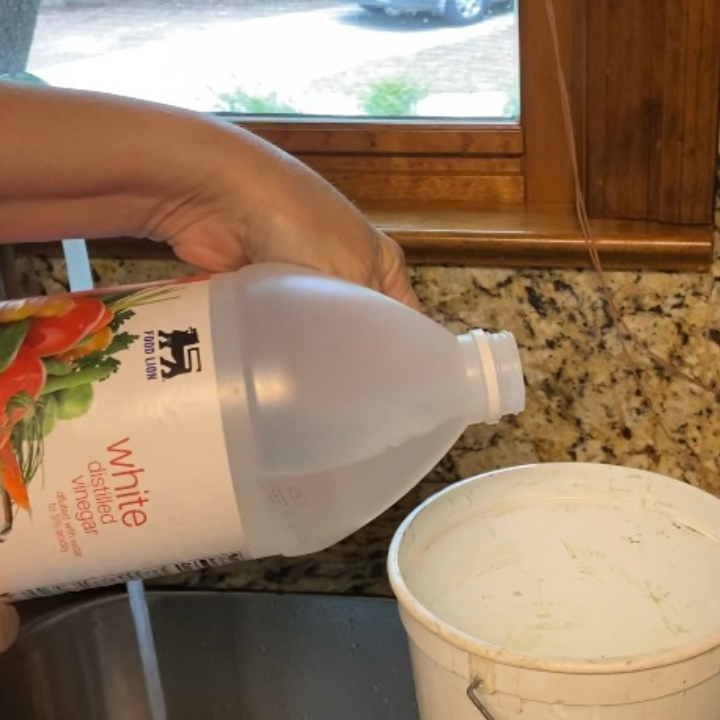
9, 625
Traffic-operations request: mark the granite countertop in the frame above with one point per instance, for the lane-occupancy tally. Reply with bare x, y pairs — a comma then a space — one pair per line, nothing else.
590, 397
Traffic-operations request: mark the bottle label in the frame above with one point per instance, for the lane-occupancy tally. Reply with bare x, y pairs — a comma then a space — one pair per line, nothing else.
112, 453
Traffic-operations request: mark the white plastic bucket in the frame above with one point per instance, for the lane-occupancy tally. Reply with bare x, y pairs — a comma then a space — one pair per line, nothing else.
568, 591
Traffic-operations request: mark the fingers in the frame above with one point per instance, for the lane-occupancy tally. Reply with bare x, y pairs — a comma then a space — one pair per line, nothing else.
395, 281
9, 625
407, 296
209, 247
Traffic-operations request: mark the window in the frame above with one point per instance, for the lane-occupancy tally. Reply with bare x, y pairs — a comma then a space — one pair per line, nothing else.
482, 175
291, 57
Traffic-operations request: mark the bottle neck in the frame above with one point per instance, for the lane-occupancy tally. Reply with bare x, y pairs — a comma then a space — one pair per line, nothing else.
494, 374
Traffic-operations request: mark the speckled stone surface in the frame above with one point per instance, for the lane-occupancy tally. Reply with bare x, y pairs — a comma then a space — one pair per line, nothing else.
591, 395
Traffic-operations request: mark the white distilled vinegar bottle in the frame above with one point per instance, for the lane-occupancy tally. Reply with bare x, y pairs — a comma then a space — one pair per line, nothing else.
274, 410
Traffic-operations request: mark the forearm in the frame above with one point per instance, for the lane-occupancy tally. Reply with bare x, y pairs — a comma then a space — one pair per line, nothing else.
84, 165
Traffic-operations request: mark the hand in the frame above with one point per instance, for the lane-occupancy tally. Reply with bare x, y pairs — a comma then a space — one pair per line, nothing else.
8, 626
287, 213
105, 166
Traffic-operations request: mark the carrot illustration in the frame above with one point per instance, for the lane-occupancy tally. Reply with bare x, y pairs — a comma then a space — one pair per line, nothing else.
95, 343
11, 477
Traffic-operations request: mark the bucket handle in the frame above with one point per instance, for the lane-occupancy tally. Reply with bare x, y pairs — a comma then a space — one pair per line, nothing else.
477, 684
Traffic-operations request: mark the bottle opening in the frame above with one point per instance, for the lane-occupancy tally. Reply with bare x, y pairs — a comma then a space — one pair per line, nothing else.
502, 374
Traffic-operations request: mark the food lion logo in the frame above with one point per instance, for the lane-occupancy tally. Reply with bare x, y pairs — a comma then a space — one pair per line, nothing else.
179, 352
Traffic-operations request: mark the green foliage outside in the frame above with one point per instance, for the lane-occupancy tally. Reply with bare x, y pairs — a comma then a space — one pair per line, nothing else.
239, 101
512, 104
392, 96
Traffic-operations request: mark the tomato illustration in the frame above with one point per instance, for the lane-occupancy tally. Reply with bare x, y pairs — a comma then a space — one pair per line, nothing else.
54, 335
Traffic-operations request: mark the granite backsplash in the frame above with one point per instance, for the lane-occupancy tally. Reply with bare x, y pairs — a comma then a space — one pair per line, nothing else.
590, 397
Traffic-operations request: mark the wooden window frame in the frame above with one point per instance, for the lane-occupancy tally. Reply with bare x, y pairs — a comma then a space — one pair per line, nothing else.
457, 162
643, 79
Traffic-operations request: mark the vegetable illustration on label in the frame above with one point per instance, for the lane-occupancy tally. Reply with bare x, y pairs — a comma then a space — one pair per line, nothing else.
53, 350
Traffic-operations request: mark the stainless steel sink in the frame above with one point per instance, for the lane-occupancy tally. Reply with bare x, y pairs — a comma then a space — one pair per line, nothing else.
222, 656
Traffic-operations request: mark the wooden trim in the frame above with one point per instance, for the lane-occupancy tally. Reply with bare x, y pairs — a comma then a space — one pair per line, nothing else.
396, 161
653, 75
539, 236
549, 175
501, 236
578, 88
408, 138
381, 178
693, 98
416, 161
557, 242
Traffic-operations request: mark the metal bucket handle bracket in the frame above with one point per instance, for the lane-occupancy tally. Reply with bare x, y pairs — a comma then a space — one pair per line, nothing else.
477, 684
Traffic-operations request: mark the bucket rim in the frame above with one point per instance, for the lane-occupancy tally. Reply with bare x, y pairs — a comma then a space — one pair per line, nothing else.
516, 658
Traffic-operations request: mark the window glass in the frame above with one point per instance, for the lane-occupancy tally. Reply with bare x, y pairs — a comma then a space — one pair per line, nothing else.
454, 59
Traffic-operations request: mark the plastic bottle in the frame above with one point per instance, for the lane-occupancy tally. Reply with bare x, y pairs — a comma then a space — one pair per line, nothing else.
270, 411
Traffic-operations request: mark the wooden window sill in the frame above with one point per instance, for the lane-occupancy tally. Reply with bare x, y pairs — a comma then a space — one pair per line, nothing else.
537, 236
501, 236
